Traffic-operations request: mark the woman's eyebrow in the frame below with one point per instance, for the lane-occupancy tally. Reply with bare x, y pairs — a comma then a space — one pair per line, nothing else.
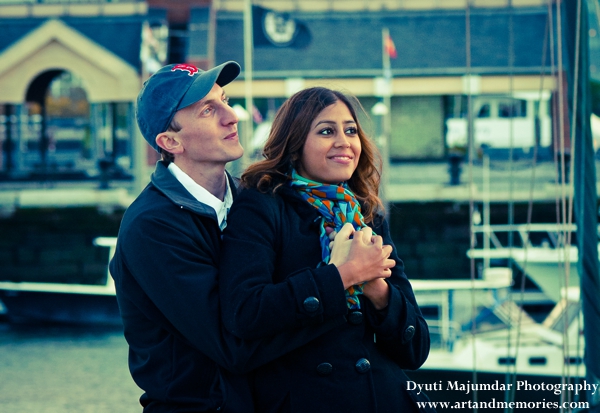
333, 122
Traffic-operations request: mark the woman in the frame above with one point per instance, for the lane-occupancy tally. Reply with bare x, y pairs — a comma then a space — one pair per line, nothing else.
319, 172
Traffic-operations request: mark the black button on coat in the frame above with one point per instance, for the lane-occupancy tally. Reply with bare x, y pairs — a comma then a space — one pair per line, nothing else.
269, 268
355, 317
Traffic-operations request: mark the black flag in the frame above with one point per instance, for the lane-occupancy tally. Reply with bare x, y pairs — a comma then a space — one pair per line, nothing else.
272, 28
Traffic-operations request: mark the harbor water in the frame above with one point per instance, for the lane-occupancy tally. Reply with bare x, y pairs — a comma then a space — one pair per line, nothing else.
64, 369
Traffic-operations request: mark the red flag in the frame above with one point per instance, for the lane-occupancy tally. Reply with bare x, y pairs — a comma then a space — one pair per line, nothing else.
256, 115
390, 47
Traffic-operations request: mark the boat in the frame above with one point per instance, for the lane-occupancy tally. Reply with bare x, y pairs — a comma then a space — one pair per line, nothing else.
503, 358
542, 251
504, 335
36, 302
482, 337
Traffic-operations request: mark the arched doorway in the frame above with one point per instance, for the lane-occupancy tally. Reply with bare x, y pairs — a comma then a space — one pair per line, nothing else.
58, 134
56, 139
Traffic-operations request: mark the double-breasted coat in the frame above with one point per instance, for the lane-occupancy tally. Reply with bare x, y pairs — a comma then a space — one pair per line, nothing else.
165, 272
265, 288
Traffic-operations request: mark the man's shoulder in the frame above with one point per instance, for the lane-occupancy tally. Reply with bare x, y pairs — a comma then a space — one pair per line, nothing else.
153, 215
150, 199
148, 205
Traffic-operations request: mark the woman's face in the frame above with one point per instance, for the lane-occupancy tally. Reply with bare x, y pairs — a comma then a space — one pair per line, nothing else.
332, 148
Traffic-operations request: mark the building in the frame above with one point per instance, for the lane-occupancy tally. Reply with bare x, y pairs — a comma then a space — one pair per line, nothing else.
443, 53
91, 56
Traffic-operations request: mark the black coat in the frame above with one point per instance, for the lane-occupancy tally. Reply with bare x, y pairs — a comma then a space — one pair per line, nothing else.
165, 272
270, 283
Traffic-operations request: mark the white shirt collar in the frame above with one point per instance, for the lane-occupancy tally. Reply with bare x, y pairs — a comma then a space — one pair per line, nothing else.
204, 196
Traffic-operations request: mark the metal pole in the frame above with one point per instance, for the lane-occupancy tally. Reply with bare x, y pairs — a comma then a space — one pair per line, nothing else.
138, 146
245, 139
387, 121
9, 143
585, 187
486, 208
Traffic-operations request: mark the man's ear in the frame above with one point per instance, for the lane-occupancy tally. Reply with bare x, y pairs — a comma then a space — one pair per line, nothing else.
169, 142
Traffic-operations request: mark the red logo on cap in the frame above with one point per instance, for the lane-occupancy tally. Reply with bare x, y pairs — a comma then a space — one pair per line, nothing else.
192, 70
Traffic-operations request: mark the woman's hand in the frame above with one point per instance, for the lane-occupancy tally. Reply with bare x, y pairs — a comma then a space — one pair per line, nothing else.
378, 292
361, 258
339, 251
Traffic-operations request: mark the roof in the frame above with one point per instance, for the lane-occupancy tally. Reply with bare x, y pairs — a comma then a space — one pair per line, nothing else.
123, 38
427, 42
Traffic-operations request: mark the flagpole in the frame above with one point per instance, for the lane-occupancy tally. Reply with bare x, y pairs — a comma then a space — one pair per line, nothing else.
246, 138
387, 120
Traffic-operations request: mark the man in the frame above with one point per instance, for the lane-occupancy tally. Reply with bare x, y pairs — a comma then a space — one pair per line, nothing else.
168, 248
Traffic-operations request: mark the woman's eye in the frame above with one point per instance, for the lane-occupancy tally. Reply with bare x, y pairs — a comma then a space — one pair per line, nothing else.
326, 131
351, 131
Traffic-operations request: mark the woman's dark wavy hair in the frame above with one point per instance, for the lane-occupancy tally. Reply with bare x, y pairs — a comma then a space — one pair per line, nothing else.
283, 148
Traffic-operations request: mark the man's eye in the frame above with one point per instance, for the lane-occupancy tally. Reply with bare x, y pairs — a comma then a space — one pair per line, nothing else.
226, 100
207, 111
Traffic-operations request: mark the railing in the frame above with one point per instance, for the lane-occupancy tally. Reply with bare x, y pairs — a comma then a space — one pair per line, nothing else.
499, 241
442, 295
524, 231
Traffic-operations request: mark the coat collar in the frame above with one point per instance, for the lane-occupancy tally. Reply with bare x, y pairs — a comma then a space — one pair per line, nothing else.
166, 183
307, 212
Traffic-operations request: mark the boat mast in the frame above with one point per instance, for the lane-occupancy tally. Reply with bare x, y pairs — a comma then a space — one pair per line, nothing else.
585, 194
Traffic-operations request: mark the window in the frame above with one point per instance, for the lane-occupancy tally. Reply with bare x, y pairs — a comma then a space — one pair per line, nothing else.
484, 111
513, 108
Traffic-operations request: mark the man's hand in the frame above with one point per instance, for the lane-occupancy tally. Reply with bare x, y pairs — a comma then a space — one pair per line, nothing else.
361, 258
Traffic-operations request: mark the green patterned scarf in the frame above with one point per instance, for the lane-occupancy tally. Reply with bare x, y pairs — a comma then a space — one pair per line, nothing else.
338, 205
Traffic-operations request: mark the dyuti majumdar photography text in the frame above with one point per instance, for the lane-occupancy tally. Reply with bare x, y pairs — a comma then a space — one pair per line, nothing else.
520, 385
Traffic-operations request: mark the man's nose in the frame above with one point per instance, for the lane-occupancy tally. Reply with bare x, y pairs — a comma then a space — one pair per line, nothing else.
230, 116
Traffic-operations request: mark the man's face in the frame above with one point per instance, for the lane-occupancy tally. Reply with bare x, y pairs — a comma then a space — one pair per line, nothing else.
208, 131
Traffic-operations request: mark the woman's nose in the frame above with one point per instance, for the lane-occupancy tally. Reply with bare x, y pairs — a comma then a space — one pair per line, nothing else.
342, 141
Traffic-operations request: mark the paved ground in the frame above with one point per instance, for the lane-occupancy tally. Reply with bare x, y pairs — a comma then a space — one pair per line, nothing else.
48, 369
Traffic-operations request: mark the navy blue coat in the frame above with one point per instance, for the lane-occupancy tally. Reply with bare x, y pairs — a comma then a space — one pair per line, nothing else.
269, 283
165, 272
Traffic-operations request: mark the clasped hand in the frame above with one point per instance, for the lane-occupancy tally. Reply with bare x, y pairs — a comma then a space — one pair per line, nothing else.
360, 256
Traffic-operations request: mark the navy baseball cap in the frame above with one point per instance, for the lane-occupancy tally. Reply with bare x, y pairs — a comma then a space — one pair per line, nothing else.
175, 87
